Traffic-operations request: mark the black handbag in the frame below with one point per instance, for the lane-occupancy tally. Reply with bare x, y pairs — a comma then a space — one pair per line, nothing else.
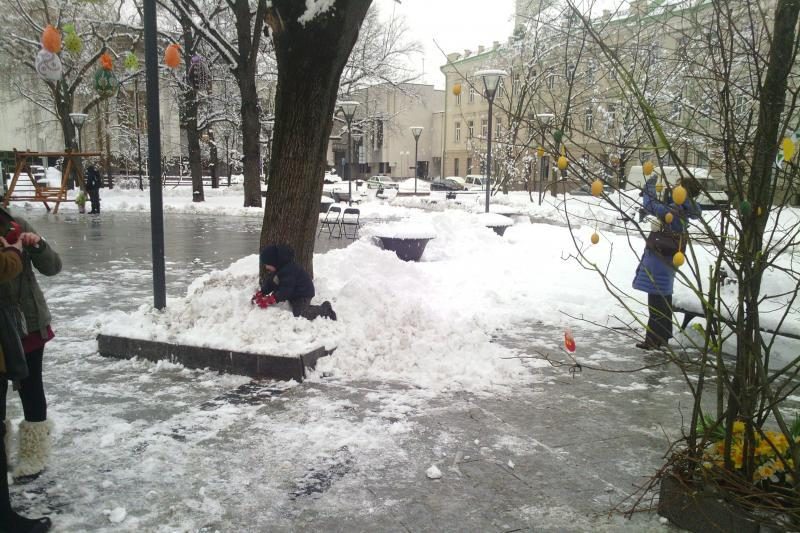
666, 243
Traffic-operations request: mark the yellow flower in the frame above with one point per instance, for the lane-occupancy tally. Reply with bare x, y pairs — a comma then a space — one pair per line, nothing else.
764, 448
737, 455
738, 427
764, 471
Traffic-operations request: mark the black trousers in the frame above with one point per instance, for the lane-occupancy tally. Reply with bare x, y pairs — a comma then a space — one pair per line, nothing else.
302, 307
659, 323
31, 391
94, 197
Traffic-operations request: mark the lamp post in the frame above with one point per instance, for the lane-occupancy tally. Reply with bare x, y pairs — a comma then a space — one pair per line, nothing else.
491, 80
416, 131
268, 126
544, 119
348, 109
78, 120
357, 136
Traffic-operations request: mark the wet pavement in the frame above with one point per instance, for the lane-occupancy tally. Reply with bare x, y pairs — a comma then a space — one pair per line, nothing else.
144, 447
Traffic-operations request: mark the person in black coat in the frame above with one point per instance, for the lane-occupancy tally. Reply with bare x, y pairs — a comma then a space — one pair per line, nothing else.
286, 281
93, 182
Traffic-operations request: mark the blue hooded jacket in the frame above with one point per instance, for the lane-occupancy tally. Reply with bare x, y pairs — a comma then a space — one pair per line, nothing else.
290, 281
655, 273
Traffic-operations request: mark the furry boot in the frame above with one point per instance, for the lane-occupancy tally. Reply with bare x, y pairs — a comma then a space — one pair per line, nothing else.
34, 448
11, 522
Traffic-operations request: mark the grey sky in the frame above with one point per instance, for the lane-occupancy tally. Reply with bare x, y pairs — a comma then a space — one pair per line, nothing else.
454, 25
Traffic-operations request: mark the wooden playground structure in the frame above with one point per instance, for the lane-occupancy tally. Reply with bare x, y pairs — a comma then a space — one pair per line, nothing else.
42, 192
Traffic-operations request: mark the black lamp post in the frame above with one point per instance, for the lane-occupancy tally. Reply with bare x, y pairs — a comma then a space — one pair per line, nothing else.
357, 136
78, 120
491, 80
268, 126
348, 109
416, 131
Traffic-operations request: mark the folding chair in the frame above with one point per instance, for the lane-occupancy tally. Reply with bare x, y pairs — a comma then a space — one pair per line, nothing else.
331, 221
350, 220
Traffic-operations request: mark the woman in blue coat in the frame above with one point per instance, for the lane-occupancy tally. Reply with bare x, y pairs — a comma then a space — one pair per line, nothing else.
655, 274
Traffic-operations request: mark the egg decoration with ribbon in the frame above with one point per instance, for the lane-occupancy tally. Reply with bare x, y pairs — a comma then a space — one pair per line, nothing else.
105, 82
199, 74
51, 39
172, 55
48, 65
72, 42
558, 135
131, 62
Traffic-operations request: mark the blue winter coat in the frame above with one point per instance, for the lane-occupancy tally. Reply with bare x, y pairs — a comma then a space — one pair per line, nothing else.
655, 273
290, 281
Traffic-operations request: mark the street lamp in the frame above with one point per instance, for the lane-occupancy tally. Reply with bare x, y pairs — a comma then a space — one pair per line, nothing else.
357, 136
348, 109
416, 131
78, 120
491, 80
544, 119
268, 127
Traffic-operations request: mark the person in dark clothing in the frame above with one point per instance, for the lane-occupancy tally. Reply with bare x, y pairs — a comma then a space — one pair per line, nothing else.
286, 281
93, 182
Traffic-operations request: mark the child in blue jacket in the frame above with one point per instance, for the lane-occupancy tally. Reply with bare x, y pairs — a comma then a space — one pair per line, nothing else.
286, 281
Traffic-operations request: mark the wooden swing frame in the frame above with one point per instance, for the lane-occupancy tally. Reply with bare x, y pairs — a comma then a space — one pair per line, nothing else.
44, 193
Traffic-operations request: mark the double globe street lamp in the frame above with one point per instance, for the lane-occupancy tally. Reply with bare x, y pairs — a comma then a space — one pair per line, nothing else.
491, 81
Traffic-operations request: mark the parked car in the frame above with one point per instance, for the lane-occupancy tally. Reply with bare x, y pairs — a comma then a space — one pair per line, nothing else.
452, 183
381, 182
331, 177
475, 181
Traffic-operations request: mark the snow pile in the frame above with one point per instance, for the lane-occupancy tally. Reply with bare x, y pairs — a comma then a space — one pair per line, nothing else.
495, 220
402, 230
315, 8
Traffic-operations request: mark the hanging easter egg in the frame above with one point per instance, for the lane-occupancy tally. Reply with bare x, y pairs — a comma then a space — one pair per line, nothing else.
759, 211
48, 65
558, 135
172, 55
659, 187
105, 83
51, 39
745, 207
788, 149
595, 238
569, 340
540, 152
647, 168
562, 163
457, 89
668, 218
678, 259
597, 187
199, 74
131, 62
73, 43
679, 194
106, 62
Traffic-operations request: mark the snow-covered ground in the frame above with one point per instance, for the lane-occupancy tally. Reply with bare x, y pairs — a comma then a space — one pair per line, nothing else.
411, 321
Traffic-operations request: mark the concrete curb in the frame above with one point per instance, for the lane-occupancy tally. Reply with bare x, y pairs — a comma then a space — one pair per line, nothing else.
249, 364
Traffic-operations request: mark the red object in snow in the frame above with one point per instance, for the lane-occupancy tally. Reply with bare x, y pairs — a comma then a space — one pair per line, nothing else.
569, 341
13, 234
261, 300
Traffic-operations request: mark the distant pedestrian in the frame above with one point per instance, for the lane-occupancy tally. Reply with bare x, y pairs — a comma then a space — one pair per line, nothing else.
23, 292
286, 281
655, 274
12, 367
93, 182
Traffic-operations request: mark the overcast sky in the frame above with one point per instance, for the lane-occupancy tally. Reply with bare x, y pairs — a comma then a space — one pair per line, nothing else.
454, 25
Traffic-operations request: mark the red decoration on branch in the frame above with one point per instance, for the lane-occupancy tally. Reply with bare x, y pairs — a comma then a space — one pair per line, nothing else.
172, 55
51, 39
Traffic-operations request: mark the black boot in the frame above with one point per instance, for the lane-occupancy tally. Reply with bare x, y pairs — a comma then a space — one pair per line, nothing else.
329, 312
11, 522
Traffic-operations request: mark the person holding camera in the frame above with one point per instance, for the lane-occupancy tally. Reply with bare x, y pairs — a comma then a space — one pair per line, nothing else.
23, 292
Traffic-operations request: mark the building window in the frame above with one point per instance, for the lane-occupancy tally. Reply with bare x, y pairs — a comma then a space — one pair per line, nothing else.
568, 122
455, 167
471, 94
551, 78
612, 114
470, 130
590, 69
484, 128
589, 119
458, 132
501, 89
498, 130
677, 110
469, 165
458, 98
741, 105
702, 159
517, 84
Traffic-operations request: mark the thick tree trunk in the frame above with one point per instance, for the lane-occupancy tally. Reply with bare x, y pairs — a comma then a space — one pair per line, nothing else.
310, 59
189, 122
251, 131
213, 159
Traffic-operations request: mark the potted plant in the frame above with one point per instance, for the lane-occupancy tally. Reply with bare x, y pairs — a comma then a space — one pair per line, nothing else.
80, 200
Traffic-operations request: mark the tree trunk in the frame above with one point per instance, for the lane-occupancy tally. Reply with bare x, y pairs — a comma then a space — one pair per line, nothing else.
107, 122
190, 109
310, 61
213, 159
251, 131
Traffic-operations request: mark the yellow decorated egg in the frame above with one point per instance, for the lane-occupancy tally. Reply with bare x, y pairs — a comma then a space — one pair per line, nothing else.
678, 259
595, 238
659, 187
788, 149
647, 168
668, 218
597, 188
457, 89
540, 152
679, 194
562, 163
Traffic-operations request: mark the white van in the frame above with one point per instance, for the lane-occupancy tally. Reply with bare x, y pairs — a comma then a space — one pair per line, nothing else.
475, 181
712, 196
